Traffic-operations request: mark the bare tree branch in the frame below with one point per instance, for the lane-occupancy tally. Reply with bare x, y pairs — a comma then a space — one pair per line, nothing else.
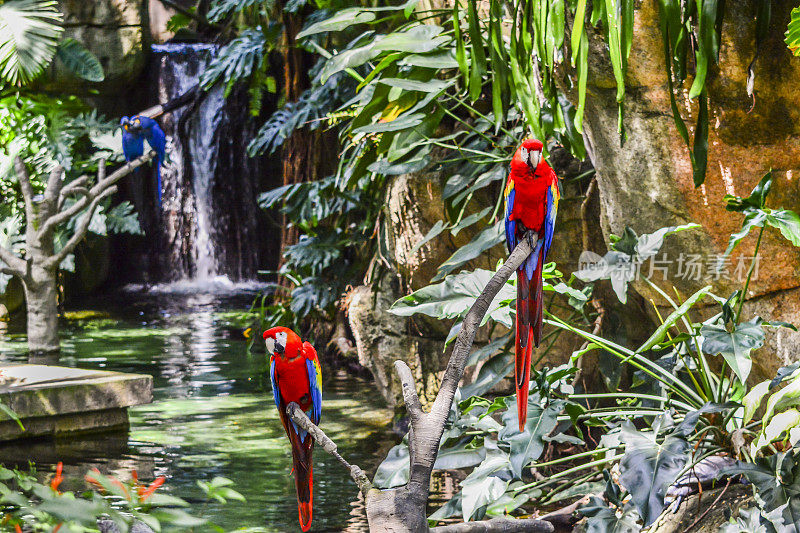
102, 185
14, 265
413, 405
299, 417
498, 525
51, 191
80, 231
72, 187
26, 187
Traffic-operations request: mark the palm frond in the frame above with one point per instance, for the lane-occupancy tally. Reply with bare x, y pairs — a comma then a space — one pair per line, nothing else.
29, 34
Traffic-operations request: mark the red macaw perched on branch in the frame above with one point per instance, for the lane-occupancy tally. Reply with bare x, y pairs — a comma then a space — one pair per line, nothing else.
297, 377
531, 196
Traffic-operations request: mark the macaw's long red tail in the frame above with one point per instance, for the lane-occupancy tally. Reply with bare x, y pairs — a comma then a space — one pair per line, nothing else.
303, 477
529, 332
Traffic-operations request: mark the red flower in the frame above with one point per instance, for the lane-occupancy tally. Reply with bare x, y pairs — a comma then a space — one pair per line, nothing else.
58, 478
145, 493
93, 481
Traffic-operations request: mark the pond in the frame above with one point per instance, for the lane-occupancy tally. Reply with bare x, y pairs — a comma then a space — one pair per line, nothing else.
212, 412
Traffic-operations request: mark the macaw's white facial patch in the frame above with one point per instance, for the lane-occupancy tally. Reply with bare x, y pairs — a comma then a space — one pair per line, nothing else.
524, 154
270, 342
280, 341
536, 156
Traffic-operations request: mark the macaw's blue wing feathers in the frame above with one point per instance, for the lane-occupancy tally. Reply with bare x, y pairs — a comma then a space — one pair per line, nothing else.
511, 225
550, 216
315, 382
132, 145
276, 393
157, 140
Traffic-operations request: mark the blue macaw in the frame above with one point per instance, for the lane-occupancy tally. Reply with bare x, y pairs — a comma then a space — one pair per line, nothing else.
137, 129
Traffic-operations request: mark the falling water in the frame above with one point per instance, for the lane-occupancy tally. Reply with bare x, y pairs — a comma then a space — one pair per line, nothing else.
209, 221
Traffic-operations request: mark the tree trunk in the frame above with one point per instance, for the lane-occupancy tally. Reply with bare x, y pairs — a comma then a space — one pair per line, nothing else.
42, 309
400, 510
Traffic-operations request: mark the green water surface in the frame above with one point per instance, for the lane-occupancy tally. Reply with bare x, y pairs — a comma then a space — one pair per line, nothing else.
212, 412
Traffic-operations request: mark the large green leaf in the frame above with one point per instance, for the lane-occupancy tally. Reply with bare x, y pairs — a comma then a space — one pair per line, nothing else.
485, 484
527, 446
777, 481
460, 456
488, 238
600, 518
29, 34
735, 346
394, 470
453, 297
649, 468
80, 61
620, 264
490, 374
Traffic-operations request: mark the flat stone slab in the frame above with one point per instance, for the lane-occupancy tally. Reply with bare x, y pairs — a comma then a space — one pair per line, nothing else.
55, 400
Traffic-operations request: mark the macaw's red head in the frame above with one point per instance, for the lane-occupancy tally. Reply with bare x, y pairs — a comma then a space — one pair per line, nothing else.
528, 156
281, 341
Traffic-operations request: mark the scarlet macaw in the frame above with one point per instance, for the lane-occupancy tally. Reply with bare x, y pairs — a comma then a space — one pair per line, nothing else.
137, 129
297, 377
531, 196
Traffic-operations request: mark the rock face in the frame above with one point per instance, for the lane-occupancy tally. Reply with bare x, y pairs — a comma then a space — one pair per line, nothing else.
648, 184
114, 31
382, 338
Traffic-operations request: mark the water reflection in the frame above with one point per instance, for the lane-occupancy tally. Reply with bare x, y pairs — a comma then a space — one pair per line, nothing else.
212, 412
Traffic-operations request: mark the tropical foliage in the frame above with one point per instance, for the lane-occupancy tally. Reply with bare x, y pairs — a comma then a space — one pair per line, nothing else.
30, 504
456, 89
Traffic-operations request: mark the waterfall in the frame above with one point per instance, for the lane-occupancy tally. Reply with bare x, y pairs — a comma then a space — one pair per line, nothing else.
208, 224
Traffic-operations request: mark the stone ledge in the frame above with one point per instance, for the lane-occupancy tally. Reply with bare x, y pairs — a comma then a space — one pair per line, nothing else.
52, 400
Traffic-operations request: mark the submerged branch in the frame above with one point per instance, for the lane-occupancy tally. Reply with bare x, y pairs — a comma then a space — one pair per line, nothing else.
299, 417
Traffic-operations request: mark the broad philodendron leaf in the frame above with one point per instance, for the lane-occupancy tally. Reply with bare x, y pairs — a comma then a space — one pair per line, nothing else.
79, 60
660, 332
735, 346
528, 446
475, 494
621, 264
752, 400
780, 427
459, 456
756, 200
394, 470
748, 521
649, 468
777, 481
490, 374
29, 34
485, 484
600, 518
490, 237
454, 296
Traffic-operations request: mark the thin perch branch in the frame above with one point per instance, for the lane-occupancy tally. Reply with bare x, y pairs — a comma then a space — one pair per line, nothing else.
299, 417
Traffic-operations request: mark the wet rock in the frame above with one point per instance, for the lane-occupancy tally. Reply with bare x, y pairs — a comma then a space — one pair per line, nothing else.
114, 31
382, 338
648, 183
